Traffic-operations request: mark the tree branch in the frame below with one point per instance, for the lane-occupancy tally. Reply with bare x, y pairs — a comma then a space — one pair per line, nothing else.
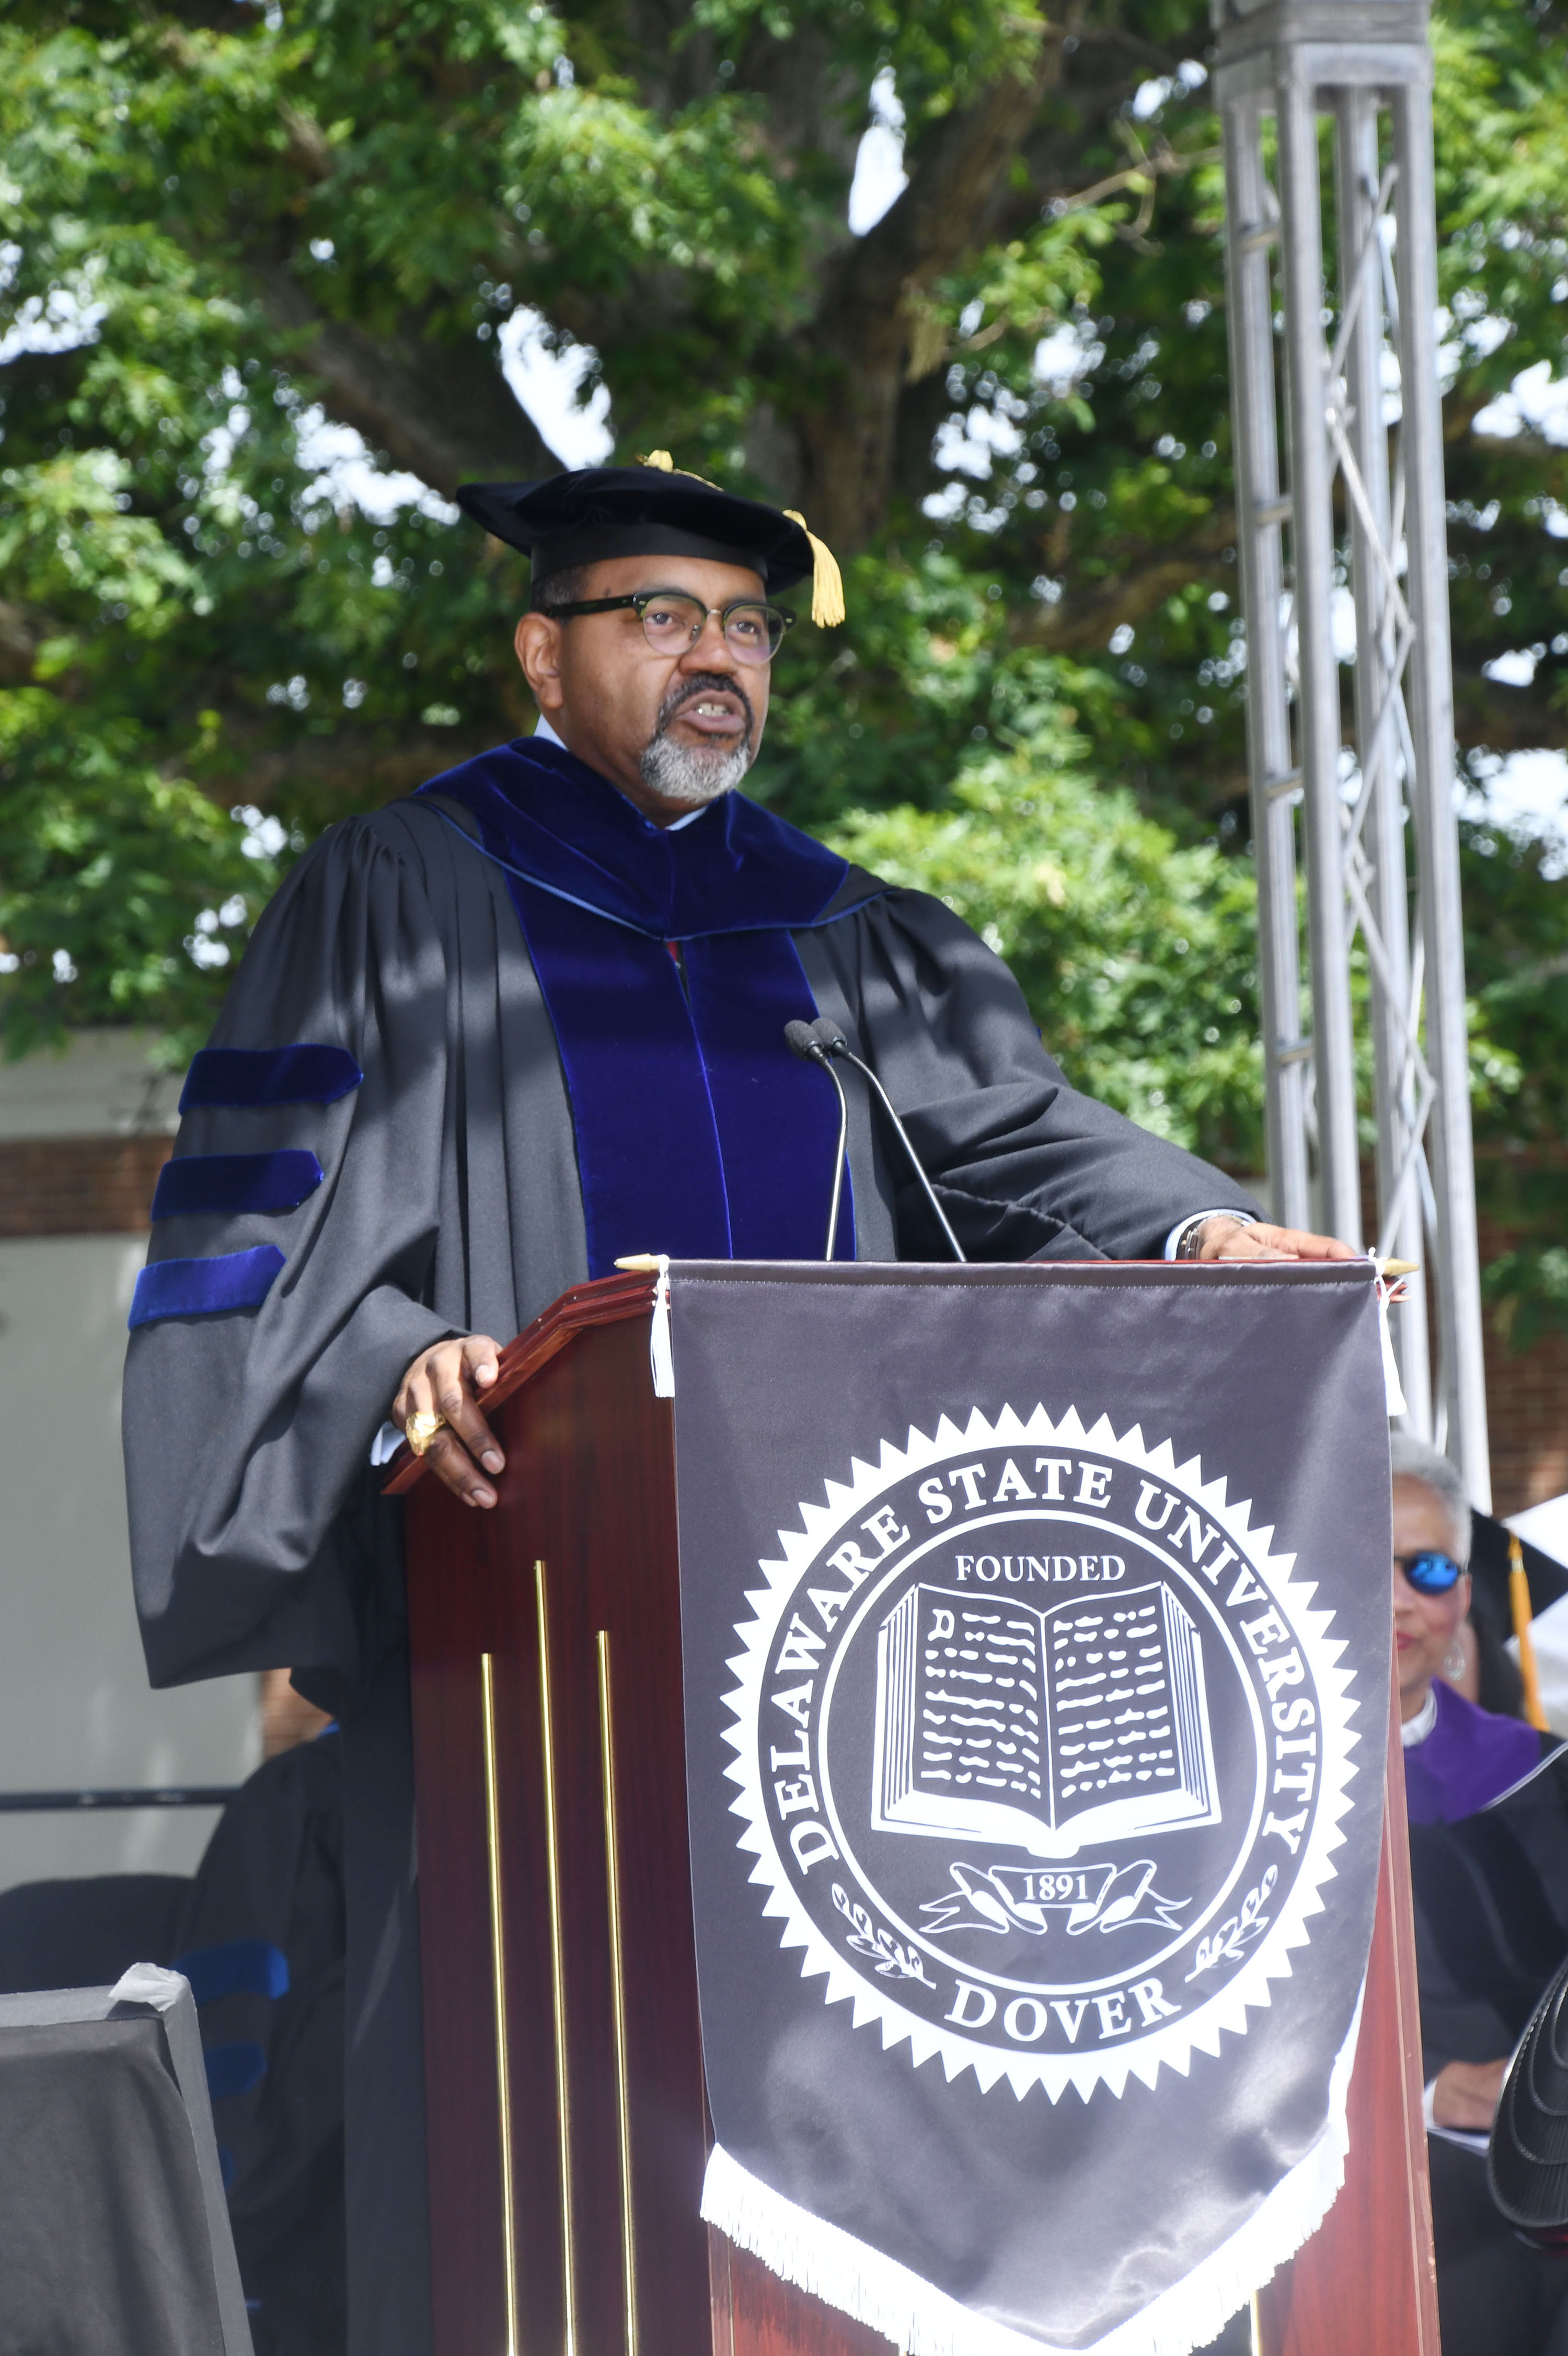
809, 95
858, 346
354, 763
445, 412
1086, 619
1139, 178
1492, 717
48, 368
23, 630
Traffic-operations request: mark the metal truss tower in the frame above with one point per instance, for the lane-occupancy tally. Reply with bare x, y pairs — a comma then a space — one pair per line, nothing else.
1327, 105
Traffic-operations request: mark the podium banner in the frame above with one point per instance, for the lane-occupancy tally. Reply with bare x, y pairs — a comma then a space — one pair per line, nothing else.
1036, 1631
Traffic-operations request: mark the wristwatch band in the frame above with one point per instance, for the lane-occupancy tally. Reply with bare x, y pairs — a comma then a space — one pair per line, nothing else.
1186, 1245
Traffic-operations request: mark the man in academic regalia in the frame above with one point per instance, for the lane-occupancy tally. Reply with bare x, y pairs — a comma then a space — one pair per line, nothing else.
483, 1042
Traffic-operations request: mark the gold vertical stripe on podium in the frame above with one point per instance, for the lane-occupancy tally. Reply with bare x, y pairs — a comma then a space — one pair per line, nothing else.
557, 1968
618, 1993
498, 1971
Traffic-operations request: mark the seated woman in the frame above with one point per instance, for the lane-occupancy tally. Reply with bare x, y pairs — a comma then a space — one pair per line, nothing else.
1495, 2298
1457, 1757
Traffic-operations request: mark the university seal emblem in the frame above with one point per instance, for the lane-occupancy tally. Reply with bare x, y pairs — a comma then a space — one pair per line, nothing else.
1041, 1750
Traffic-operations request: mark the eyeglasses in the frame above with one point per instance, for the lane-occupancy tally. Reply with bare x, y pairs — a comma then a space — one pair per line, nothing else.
672, 622
1429, 1574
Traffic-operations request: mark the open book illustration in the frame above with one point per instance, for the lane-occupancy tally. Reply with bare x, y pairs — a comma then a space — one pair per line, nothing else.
1040, 1729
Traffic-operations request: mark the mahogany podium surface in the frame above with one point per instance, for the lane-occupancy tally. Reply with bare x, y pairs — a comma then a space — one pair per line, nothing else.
1367, 2279
567, 2123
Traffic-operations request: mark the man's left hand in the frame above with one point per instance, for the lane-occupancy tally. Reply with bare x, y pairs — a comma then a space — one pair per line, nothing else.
1223, 1238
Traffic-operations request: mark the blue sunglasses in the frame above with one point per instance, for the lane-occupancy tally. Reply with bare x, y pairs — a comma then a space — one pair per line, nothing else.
1429, 1574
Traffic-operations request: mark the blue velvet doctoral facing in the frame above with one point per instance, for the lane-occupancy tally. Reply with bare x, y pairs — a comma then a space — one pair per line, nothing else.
666, 960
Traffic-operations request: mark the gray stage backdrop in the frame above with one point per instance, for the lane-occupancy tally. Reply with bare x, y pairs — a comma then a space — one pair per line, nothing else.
1037, 1627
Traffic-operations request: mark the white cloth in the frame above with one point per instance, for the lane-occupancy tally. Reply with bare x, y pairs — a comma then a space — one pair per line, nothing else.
1416, 1729
1544, 1526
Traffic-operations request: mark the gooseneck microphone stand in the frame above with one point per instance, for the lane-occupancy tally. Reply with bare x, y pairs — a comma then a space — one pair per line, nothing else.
803, 1040
819, 1043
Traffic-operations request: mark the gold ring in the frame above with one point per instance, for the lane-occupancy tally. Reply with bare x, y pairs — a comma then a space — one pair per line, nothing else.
420, 1429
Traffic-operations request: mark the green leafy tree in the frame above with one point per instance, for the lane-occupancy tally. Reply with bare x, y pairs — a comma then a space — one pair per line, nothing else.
228, 230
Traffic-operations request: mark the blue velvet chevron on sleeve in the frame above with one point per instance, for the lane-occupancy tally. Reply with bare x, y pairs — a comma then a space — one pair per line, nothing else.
196, 1184
200, 1287
234, 1967
235, 2067
308, 1073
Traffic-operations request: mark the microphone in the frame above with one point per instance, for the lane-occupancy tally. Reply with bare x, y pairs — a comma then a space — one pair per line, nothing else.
827, 1041
802, 1041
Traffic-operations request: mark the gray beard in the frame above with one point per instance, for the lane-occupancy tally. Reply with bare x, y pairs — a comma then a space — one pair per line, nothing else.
686, 773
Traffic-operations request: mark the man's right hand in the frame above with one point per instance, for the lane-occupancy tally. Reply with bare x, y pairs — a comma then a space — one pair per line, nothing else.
1466, 2093
447, 1380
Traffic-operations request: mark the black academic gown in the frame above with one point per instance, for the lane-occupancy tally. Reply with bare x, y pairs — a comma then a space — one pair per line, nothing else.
1491, 1927
450, 1203
261, 1942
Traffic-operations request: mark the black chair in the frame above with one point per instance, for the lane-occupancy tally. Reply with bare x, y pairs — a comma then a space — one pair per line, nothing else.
84, 1933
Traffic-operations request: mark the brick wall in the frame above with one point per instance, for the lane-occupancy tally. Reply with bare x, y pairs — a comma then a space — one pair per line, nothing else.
104, 1186
79, 1185
1527, 1409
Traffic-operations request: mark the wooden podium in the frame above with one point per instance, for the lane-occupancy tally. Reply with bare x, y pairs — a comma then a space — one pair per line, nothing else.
566, 2115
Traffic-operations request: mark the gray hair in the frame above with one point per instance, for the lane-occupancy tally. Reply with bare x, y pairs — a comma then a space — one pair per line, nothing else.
1417, 1460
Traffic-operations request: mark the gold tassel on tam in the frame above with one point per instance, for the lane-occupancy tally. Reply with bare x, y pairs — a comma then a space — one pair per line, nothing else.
1518, 1598
826, 581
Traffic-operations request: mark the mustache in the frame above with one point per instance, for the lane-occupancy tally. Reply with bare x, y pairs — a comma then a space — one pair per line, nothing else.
703, 682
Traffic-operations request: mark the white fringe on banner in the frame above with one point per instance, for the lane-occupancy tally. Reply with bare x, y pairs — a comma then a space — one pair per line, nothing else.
922, 2320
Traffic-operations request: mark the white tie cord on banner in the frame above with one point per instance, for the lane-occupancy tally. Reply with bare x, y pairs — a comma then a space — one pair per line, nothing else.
657, 1264
1393, 1275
